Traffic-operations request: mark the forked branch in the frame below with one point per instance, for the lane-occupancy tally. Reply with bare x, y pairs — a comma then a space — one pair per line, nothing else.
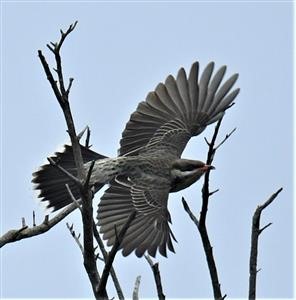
111, 255
62, 95
256, 230
157, 278
27, 232
105, 255
201, 223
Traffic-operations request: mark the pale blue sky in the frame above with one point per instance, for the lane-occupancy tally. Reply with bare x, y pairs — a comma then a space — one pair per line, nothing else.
117, 54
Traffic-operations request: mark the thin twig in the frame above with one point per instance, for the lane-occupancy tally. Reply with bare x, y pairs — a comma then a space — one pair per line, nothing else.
190, 213
50, 77
264, 227
34, 219
149, 260
86, 184
80, 134
98, 257
68, 174
87, 138
105, 255
73, 198
76, 237
228, 135
24, 223
256, 230
55, 48
112, 253
23, 233
205, 189
136, 288
157, 278
213, 192
69, 86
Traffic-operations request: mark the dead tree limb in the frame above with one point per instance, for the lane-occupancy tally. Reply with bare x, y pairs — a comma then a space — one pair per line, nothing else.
62, 96
27, 232
256, 230
201, 223
111, 255
105, 255
24, 232
136, 288
157, 278
75, 236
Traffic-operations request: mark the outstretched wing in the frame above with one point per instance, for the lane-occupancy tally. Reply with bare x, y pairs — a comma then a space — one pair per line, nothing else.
149, 230
178, 109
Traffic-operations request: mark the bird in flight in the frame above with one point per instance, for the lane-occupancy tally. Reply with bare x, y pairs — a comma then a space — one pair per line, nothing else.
149, 164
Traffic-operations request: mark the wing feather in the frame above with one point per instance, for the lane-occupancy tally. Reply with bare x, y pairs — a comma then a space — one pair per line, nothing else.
171, 114
150, 228
193, 89
214, 85
162, 93
203, 85
183, 88
154, 101
173, 92
136, 244
223, 105
222, 92
193, 103
155, 243
146, 242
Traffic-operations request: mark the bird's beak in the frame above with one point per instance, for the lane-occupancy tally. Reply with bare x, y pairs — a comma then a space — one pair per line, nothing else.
208, 167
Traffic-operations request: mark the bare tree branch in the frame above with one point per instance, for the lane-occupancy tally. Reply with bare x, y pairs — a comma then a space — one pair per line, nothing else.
201, 223
87, 145
62, 96
55, 48
111, 255
136, 288
27, 232
86, 183
80, 135
157, 278
264, 227
256, 230
105, 255
34, 219
190, 213
203, 214
77, 202
205, 189
225, 139
75, 237
68, 174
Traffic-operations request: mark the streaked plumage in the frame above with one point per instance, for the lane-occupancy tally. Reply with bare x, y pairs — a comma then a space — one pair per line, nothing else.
149, 165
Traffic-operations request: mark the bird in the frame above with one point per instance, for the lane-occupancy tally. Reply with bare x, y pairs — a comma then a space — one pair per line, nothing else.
149, 165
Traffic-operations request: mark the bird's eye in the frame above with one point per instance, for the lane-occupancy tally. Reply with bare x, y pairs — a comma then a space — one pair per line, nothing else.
191, 167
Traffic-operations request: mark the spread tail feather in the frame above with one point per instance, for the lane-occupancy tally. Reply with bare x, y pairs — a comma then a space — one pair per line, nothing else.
51, 182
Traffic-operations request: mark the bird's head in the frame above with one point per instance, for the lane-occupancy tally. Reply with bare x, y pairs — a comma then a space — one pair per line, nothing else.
185, 172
